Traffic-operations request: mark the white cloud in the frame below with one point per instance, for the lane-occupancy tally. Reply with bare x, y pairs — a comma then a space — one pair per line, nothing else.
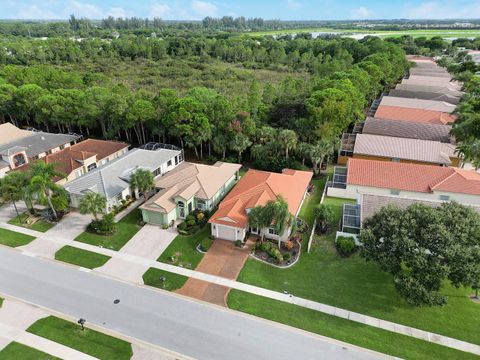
444, 10
159, 10
117, 12
85, 10
35, 12
203, 8
361, 13
293, 4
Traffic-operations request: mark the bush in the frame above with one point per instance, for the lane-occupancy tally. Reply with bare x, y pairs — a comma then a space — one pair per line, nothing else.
104, 226
200, 216
182, 226
346, 245
205, 244
191, 223
239, 243
266, 246
165, 226
287, 256
289, 245
190, 217
276, 254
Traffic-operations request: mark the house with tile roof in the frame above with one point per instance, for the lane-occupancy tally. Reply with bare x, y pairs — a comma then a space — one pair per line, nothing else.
413, 181
36, 145
257, 188
376, 184
112, 179
417, 104
415, 115
404, 150
188, 187
9, 133
425, 95
439, 89
407, 129
84, 156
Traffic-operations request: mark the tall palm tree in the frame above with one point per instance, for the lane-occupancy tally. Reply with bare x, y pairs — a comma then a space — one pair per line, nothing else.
93, 203
289, 140
280, 214
42, 182
142, 180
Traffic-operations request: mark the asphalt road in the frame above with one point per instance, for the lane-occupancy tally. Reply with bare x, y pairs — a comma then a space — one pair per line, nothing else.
187, 327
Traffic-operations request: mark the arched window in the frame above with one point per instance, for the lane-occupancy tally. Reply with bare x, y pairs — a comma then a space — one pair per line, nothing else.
19, 160
181, 209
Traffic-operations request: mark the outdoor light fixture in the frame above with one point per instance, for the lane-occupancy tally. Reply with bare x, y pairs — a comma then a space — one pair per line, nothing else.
82, 321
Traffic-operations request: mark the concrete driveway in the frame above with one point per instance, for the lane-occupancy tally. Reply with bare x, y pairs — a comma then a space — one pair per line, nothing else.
150, 242
7, 211
223, 259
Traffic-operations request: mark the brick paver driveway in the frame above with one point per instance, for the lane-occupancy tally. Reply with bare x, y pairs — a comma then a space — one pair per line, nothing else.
223, 259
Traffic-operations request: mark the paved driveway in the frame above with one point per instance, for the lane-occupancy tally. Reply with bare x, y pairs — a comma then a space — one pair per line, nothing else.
150, 242
223, 259
7, 211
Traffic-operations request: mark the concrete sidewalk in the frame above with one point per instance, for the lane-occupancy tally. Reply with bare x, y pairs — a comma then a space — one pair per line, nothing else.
288, 298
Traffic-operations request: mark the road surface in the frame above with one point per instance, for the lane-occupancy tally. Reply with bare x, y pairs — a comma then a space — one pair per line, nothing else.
187, 327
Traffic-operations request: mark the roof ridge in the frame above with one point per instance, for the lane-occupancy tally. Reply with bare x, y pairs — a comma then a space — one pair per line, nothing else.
453, 172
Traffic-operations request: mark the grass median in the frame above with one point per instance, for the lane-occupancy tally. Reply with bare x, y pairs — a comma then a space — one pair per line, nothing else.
88, 341
16, 351
14, 239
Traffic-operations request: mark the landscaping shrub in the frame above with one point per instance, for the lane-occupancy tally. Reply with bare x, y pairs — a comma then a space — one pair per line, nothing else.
238, 243
265, 246
289, 245
346, 246
287, 256
182, 226
200, 217
205, 244
276, 254
191, 223
190, 217
165, 226
104, 226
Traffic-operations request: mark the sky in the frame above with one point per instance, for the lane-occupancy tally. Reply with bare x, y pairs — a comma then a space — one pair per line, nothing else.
267, 9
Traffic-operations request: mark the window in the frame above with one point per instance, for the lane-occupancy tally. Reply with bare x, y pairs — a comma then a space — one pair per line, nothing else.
19, 160
190, 206
394, 192
62, 147
169, 163
272, 231
119, 197
180, 157
444, 197
176, 160
397, 160
157, 171
91, 167
201, 204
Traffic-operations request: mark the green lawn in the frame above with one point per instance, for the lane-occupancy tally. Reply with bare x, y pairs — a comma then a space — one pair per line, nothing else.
306, 212
89, 341
353, 284
1, 302
172, 281
40, 225
14, 239
80, 257
345, 330
15, 351
126, 229
184, 250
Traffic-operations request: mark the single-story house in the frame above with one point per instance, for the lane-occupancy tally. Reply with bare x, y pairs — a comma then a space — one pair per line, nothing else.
430, 71
407, 129
188, 187
426, 95
417, 104
432, 81
37, 145
403, 150
112, 179
257, 188
84, 156
413, 181
415, 115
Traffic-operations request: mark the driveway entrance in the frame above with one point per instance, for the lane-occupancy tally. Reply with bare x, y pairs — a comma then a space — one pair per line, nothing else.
223, 259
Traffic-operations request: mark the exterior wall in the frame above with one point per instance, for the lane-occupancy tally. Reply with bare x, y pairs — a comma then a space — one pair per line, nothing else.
283, 237
186, 202
354, 191
407, 161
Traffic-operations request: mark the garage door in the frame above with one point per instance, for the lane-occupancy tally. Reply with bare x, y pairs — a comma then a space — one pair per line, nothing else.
226, 233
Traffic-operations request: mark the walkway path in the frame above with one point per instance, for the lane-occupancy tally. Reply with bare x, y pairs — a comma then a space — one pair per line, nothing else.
130, 259
223, 259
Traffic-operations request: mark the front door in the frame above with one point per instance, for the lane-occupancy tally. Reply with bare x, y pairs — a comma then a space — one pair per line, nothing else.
253, 230
181, 210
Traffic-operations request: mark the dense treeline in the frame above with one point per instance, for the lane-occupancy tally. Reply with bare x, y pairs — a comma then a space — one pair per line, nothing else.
291, 123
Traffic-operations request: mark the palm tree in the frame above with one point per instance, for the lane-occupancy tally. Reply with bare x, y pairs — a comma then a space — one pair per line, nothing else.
319, 152
289, 140
93, 203
281, 216
142, 180
239, 143
258, 218
42, 182
470, 151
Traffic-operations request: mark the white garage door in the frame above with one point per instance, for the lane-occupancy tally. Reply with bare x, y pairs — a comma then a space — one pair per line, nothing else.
226, 233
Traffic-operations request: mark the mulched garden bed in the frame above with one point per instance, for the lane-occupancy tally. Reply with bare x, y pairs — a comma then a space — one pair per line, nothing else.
269, 252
